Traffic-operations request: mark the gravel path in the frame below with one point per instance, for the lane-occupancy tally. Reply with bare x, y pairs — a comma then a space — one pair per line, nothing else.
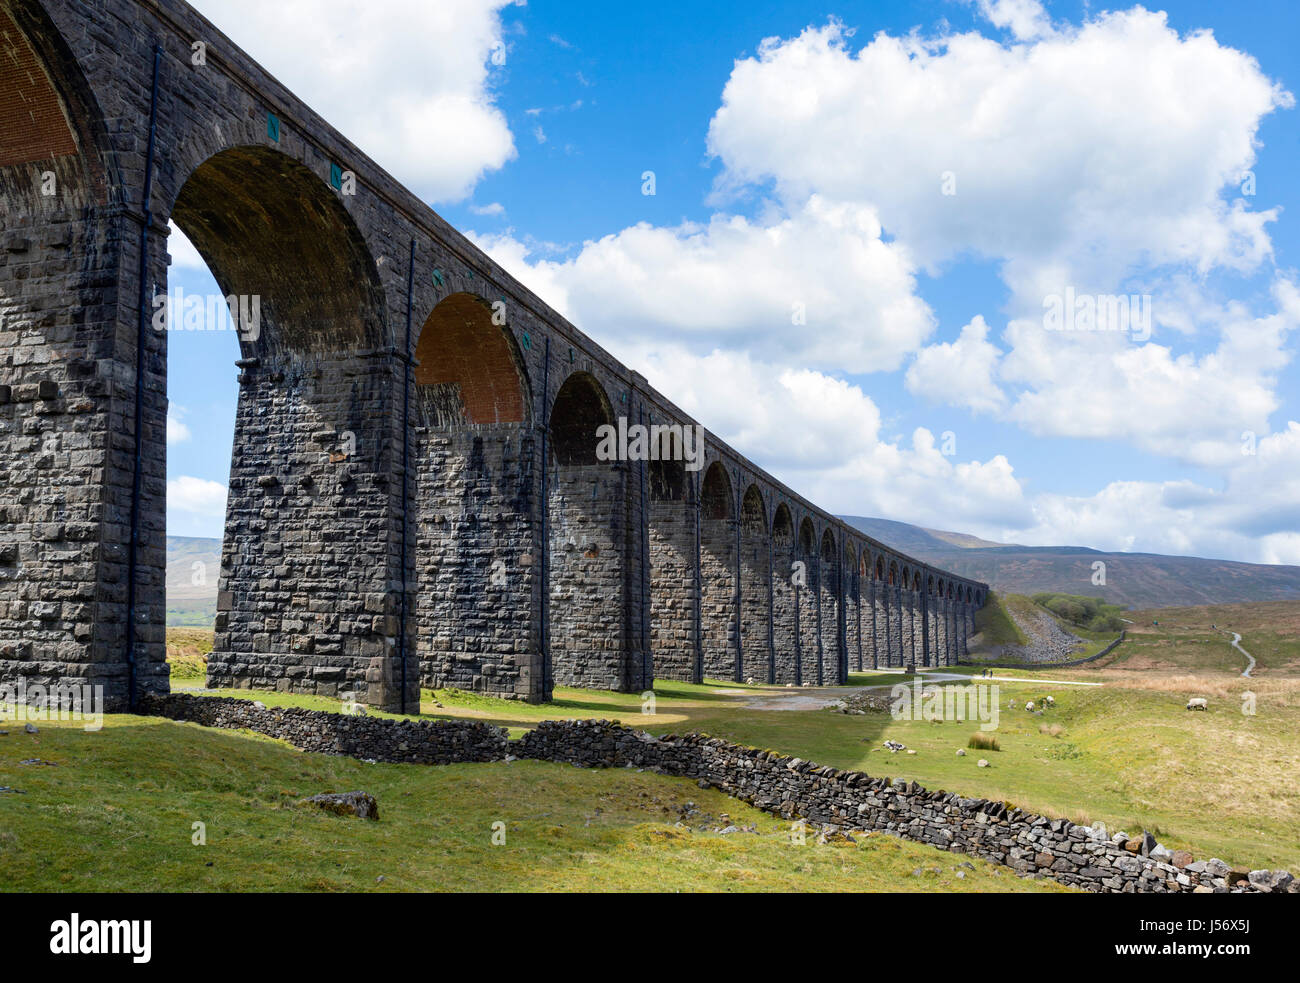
1250, 659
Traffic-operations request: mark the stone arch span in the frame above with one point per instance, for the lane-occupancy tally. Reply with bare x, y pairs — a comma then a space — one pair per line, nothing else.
314, 434
718, 573
755, 587
785, 624
590, 622
475, 590
672, 532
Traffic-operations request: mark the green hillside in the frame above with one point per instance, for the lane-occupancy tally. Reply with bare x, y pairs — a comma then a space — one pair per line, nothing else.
1139, 580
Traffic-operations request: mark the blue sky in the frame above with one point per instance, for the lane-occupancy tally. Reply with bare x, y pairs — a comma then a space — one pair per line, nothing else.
1104, 153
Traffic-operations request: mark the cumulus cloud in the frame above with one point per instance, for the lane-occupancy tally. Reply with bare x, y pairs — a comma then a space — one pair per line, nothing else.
197, 496
818, 288
959, 373
1192, 408
1073, 156
1103, 157
419, 100
177, 431
825, 437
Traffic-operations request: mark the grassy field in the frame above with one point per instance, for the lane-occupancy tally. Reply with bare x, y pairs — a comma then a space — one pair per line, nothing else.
115, 811
1220, 783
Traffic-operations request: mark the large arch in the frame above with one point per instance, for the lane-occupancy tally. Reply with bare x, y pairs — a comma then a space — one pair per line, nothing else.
674, 630
879, 613
894, 614
313, 434
588, 617
472, 493
755, 587
785, 591
830, 652
65, 556
853, 567
810, 648
718, 570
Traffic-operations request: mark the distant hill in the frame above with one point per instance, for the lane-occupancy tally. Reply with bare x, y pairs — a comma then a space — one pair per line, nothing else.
191, 589
1140, 580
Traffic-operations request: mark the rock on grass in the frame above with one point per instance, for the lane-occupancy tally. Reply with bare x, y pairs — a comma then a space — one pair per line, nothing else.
360, 804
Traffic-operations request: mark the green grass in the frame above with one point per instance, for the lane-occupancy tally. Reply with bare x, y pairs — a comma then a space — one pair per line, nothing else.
117, 813
1219, 783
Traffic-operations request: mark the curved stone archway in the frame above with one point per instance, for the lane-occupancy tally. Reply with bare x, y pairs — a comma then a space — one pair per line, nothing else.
718, 569
475, 585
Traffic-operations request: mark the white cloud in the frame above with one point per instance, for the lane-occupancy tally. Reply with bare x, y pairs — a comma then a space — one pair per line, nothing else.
1025, 19
1180, 405
959, 373
417, 98
1076, 156
823, 436
184, 255
177, 431
817, 289
494, 209
198, 496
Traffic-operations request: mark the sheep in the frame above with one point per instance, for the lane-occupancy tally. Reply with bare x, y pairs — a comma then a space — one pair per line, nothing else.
1198, 703
1030, 706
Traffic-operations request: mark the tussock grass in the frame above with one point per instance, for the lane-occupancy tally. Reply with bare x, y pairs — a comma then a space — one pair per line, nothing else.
983, 741
1051, 730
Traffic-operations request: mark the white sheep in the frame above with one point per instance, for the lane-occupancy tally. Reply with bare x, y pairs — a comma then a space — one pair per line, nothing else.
1030, 705
1198, 703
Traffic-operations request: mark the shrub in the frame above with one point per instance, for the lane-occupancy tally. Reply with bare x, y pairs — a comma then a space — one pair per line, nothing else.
983, 741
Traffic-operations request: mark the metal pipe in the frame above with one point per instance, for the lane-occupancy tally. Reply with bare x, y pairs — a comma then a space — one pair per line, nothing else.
696, 589
142, 330
546, 512
645, 563
739, 670
406, 463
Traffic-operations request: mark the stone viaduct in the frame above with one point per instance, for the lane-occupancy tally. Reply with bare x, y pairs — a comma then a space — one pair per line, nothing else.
415, 491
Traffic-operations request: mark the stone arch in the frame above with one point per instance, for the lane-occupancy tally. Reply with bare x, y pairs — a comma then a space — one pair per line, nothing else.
469, 370
755, 587
718, 572
67, 389
472, 491
828, 607
314, 434
785, 625
673, 603
854, 564
587, 530
581, 406
807, 596
269, 228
